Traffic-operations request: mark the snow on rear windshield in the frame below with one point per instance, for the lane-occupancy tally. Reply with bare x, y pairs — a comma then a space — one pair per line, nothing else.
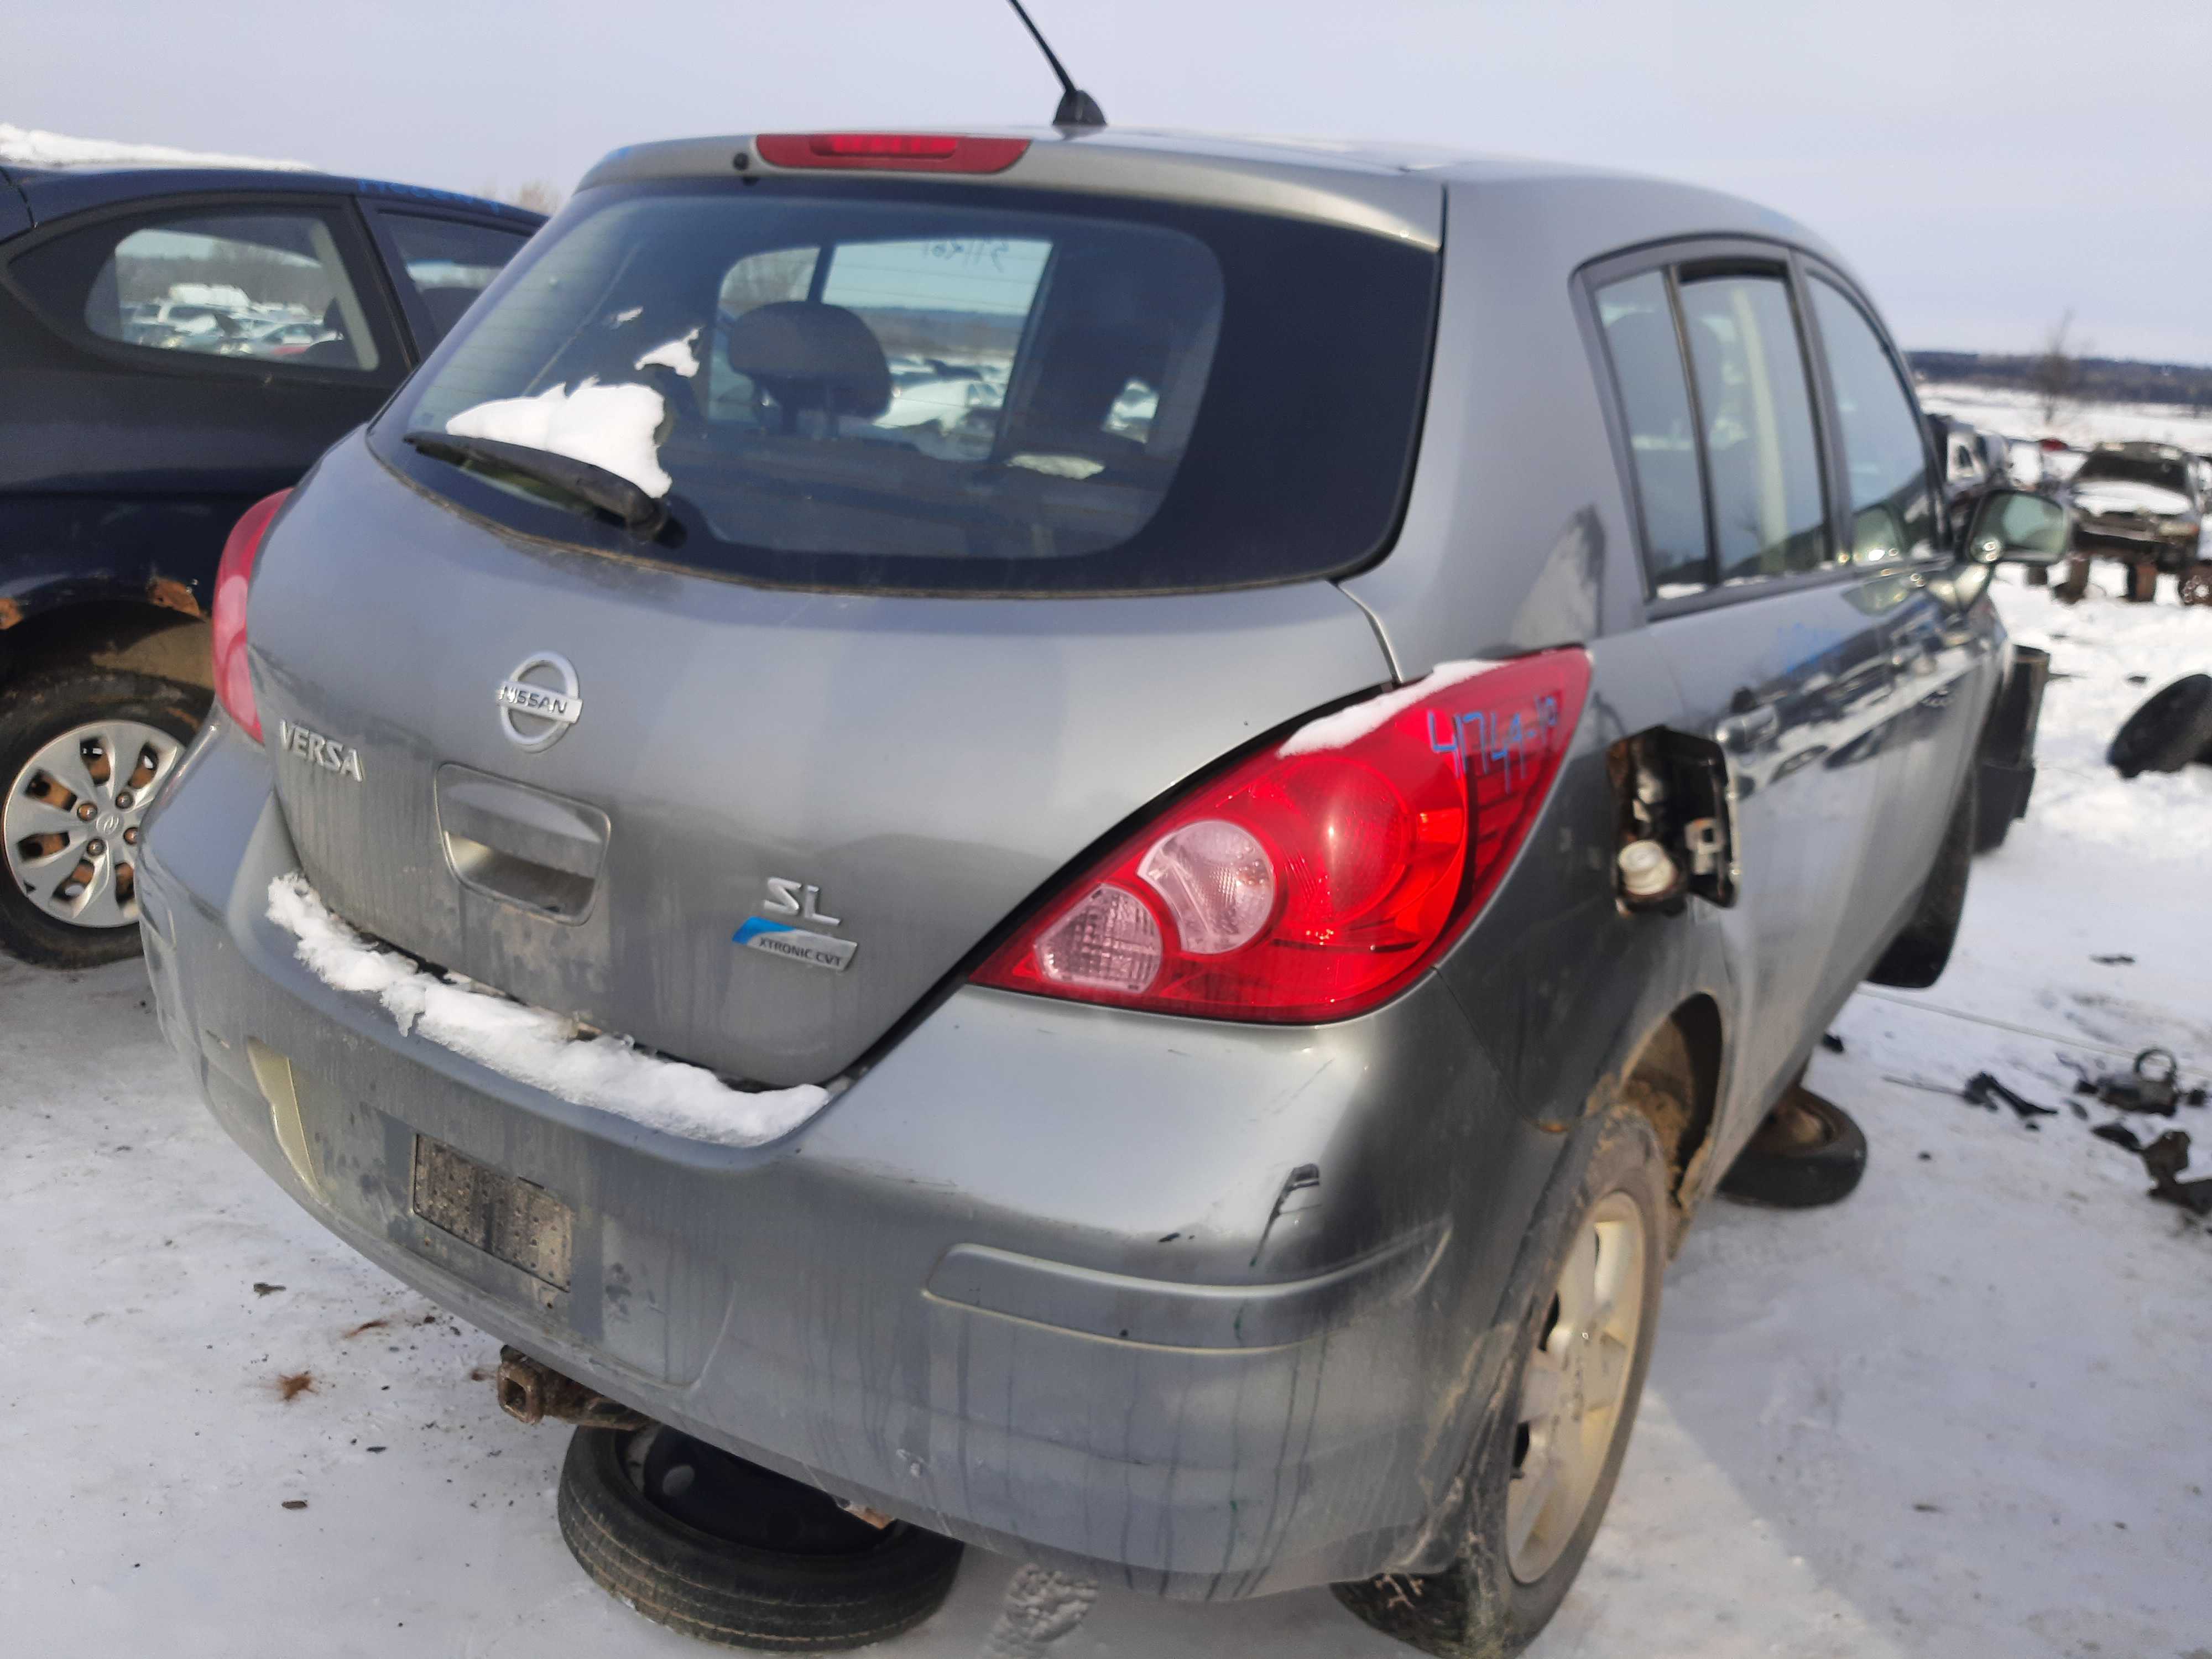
947, 386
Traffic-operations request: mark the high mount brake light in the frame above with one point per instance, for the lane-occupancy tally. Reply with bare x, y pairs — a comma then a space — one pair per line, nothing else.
234, 687
916, 152
1317, 878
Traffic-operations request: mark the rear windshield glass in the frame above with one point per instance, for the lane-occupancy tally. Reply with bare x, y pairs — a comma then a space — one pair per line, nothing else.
924, 387
2106, 466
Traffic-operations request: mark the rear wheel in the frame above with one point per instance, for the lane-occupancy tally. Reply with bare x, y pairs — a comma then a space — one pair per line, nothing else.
81, 752
1543, 1468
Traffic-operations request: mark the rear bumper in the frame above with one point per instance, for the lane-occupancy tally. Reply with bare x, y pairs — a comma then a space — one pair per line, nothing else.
1038, 1279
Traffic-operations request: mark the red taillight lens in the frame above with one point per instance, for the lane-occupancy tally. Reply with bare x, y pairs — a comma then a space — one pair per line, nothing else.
921, 152
234, 687
1317, 878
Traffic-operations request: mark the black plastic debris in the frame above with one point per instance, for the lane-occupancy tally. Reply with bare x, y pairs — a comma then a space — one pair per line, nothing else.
2172, 728
2166, 1158
2118, 959
1832, 1043
2119, 1134
2152, 1084
1983, 1090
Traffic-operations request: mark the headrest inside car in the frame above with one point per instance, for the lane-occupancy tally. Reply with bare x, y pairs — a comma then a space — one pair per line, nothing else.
810, 356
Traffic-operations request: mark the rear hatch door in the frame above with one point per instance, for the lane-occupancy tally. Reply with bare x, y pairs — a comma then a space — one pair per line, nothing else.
906, 770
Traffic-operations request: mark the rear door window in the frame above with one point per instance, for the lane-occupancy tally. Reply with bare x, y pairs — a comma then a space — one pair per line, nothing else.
951, 388
1640, 338
270, 288
444, 264
1885, 460
1762, 451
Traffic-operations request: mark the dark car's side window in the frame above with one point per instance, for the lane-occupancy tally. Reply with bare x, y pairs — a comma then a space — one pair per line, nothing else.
1640, 337
268, 287
1892, 504
1762, 450
448, 262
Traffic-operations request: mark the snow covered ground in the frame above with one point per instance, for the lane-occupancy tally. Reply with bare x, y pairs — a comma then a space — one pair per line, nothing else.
1962, 1414
2019, 415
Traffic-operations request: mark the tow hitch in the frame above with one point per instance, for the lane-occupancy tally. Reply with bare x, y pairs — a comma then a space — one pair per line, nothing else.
530, 1391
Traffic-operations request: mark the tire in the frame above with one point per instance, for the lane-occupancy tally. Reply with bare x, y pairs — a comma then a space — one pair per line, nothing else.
1916, 958
1771, 1171
1493, 1600
2172, 728
835, 1583
2195, 587
2141, 579
40, 896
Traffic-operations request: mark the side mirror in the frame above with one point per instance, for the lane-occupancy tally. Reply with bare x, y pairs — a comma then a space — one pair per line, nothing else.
2016, 525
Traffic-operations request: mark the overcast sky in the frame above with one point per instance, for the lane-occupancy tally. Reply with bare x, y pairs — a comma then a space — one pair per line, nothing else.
1985, 166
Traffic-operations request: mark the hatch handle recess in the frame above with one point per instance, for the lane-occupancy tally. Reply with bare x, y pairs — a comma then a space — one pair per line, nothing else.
521, 845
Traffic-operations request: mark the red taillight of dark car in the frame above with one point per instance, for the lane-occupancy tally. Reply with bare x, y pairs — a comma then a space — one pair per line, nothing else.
917, 152
1316, 880
234, 687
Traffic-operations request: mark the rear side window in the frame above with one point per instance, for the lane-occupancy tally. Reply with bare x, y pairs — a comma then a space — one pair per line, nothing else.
1892, 507
945, 387
269, 288
1638, 320
1762, 458
448, 262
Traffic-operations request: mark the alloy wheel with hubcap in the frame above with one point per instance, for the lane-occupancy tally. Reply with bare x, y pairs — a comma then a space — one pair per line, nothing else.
72, 817
1574, 1387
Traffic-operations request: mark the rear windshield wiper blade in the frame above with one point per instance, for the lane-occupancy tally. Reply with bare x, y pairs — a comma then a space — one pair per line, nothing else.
608, 491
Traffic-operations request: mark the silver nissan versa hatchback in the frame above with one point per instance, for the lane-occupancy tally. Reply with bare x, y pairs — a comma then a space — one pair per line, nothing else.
1091, 837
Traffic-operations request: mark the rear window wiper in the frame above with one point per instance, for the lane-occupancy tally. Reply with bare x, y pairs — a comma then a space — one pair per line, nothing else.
594, 485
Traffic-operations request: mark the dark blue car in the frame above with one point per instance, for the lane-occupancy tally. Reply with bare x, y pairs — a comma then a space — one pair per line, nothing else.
175, 343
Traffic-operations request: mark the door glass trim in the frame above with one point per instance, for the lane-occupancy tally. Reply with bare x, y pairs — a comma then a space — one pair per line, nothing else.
363, 271
1703, 257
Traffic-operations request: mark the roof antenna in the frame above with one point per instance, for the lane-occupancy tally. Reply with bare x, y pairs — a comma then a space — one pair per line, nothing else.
1077, 108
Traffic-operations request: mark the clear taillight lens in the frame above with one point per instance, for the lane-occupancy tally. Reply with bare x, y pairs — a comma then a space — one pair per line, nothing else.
233, 577
1316, 880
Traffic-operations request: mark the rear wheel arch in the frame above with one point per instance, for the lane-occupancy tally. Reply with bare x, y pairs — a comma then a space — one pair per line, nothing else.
133, 635
1674, 1083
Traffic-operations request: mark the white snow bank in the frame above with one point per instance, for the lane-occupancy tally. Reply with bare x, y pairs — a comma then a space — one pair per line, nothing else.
677, 353
534, 1045
31, 148
1347, 726
609, 426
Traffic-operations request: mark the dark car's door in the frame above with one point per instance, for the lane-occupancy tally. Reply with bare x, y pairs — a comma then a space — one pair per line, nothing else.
440, 260
1776, 646
1888, 481
162, 365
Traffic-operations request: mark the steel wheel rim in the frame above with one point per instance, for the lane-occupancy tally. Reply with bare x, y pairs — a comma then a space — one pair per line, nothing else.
1573, 1390
80, 867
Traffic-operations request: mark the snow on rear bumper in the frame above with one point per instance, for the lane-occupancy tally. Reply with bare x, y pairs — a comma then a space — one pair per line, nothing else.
954, 1294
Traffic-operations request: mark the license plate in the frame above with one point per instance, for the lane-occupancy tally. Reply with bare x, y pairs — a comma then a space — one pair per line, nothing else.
502, 1215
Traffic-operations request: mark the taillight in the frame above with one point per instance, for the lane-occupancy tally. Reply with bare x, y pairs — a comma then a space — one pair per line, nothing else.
919, 152
1313, 880
234, 687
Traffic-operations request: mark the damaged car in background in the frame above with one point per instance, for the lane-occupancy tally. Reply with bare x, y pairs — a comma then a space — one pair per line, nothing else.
175, 342
2141, 504
974, 855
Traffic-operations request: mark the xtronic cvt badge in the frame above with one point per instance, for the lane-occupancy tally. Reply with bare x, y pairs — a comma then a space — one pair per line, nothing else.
539, 700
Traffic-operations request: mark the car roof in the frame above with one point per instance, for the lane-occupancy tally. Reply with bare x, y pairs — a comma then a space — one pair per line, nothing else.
1392, 189
54, 192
